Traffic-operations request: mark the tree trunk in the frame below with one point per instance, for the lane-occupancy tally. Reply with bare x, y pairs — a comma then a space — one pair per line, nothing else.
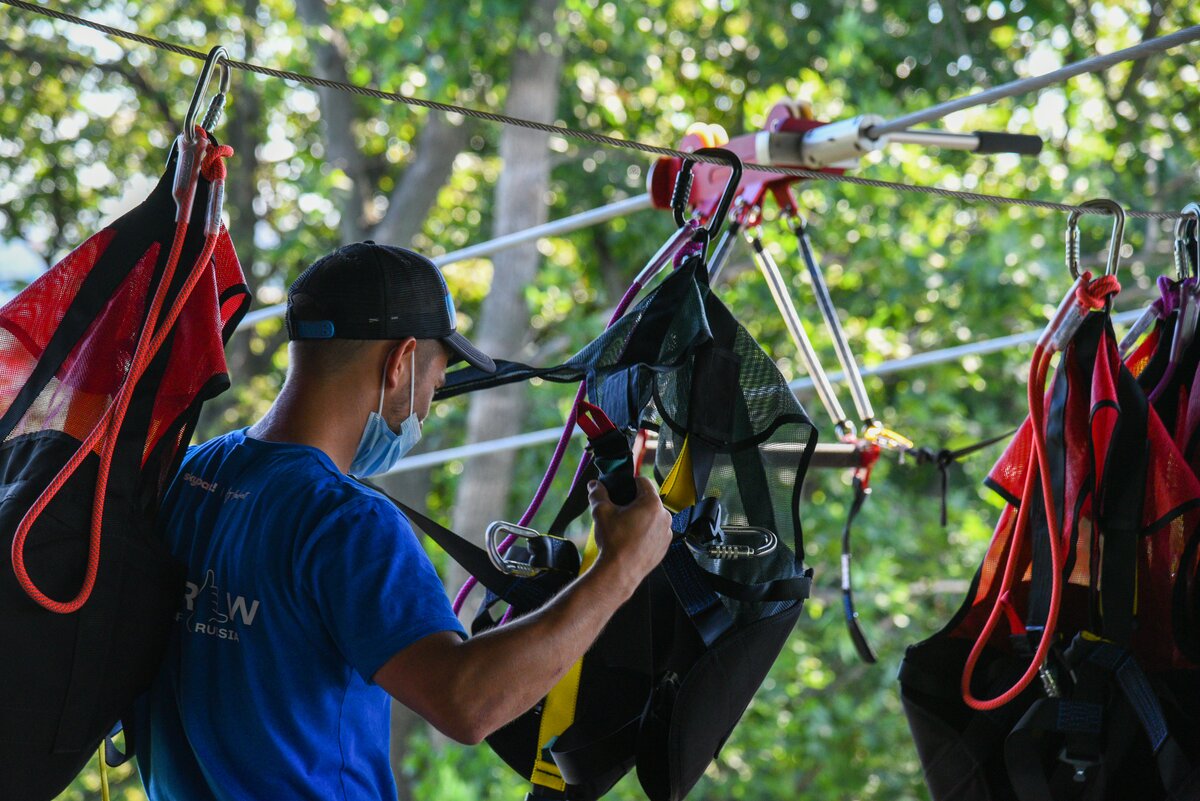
436, 148
330, 49
486, 481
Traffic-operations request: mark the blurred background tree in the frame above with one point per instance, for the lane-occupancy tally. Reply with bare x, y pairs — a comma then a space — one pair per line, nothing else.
85, 122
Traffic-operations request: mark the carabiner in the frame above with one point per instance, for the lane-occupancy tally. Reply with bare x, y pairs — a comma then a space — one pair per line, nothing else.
500, 530
1118, 235
1187, 245
683, 188
878, 434
218, 56
736, 542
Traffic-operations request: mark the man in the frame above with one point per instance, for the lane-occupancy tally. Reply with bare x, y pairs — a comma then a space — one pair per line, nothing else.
310, 599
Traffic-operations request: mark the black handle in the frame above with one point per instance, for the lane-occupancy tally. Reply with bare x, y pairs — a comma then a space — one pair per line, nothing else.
1021, 144
614, 460
621, 487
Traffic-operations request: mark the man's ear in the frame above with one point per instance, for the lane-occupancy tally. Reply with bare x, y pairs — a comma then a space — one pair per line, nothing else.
399, 362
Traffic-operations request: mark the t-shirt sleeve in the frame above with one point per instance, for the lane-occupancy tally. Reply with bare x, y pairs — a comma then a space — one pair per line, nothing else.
373, 583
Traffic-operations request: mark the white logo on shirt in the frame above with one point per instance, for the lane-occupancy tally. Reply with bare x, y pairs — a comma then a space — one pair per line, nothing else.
213, 487
217, 614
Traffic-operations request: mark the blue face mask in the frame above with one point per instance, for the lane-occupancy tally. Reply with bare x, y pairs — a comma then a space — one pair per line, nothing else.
380, 448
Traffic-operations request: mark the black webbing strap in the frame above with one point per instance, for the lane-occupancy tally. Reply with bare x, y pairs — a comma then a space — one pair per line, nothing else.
693, 591
865, 653
524, 594
1042, 566
1185, 601
576, 502
1084, 721
580, 757
792, 588
1023, 756
1120, 514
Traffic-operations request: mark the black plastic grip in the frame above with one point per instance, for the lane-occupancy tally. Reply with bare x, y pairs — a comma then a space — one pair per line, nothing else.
622, 489
1021, 144
614, 461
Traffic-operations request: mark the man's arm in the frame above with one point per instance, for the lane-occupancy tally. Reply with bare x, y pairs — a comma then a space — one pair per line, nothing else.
469, 689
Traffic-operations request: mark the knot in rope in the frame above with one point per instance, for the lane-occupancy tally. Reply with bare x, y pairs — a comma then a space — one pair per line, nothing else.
1094, 293
694, 248
1168, 300
868, 455
213, 165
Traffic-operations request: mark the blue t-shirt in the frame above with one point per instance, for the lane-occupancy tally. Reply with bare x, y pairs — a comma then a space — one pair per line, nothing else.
302, 583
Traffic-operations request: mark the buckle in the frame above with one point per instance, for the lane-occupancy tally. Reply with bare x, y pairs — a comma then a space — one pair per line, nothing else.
879, 434
735, 542
500, 530
1081, 766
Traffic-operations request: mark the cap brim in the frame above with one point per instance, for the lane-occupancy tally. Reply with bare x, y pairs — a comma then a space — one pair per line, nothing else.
469, 353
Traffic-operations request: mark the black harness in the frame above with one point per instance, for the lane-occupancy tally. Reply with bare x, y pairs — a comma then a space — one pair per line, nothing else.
709, 621
72, 676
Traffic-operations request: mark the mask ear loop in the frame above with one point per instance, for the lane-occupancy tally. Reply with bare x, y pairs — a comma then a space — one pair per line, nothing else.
412, 387
412, 401
382, 388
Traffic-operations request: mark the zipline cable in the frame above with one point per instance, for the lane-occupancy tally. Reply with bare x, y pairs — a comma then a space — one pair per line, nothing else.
1024, 85
1185, 35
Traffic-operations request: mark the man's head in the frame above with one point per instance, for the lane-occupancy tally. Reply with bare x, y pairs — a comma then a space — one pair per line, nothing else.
378, 323
367, 291
380, 372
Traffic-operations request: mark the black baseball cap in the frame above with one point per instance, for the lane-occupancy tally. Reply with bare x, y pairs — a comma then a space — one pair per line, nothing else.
371, 291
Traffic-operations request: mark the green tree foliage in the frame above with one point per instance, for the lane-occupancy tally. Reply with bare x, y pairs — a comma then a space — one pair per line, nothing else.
85, 122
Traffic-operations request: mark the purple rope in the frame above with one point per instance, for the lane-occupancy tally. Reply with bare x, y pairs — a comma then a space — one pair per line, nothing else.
693, 248
1172, 300
1168, 300
560, 451
682, 239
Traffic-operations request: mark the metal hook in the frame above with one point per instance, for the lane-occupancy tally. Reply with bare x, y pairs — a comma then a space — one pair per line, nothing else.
683, 188
216, 57
1187, 246
1118, 235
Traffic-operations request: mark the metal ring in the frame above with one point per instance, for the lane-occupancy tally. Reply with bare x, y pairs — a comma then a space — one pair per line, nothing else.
494, 533
1118, 234
216, 56
1187, 252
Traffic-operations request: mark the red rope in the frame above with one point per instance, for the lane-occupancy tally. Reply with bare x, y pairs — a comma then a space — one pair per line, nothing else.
149, 343
1090, 296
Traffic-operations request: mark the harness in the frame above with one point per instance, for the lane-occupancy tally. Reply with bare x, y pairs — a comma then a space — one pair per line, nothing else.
711, 618
1062, 676
106, 358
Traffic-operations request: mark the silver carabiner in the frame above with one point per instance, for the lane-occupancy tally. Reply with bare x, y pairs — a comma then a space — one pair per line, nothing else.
1118, 235
218, 56
499, 530
1185, 243
755, 542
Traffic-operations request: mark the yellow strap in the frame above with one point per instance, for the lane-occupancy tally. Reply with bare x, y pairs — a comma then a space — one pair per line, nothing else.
559, 711
103, 774
678, 490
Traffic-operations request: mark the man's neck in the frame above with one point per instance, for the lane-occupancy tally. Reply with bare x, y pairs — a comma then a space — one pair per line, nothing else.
309, 418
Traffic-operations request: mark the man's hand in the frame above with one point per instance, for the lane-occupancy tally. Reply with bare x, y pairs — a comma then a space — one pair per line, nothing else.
469, 689
633, 539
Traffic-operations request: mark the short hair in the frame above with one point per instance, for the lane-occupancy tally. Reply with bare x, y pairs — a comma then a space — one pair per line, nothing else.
330, 357
325, 356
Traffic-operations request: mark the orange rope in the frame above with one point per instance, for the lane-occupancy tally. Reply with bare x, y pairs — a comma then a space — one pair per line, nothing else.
1088, 295
149, 343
